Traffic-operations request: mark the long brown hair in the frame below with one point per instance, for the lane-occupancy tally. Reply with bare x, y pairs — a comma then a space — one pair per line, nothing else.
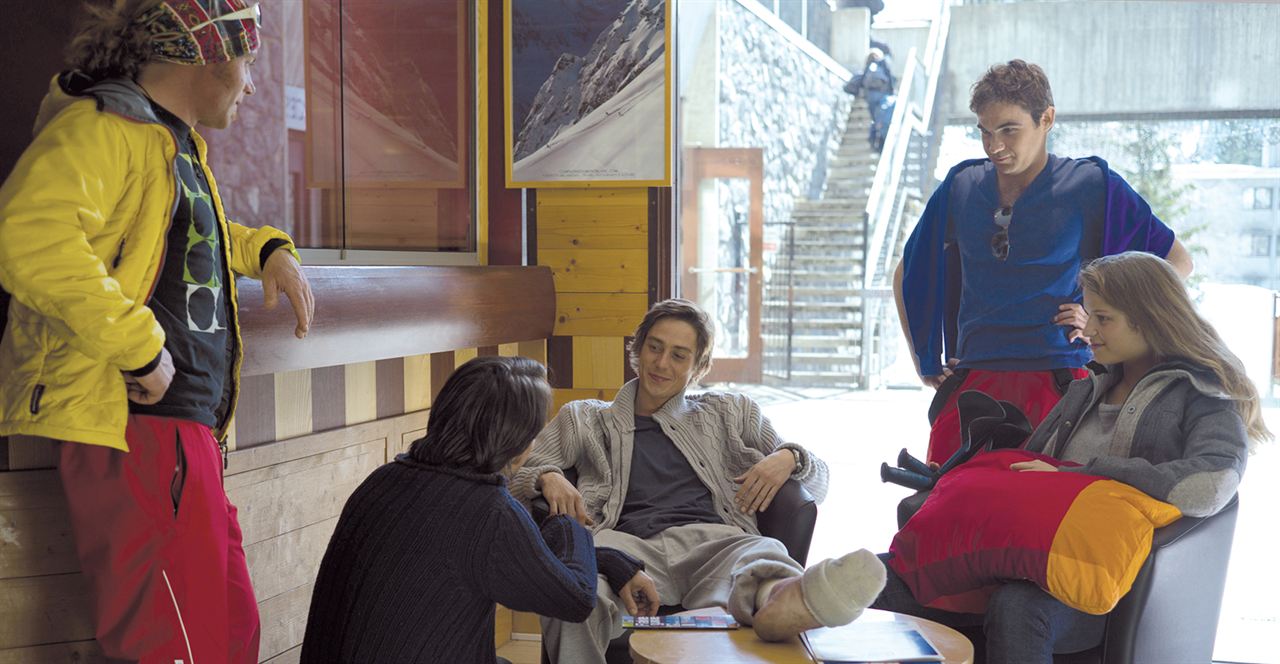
1152, 296
109, 42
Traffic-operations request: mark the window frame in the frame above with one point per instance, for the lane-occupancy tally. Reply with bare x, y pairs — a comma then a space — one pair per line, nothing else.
347, 257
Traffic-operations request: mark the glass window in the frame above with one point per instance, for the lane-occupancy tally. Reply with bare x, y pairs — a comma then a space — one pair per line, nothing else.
1261, 198
1259, 244
363, 130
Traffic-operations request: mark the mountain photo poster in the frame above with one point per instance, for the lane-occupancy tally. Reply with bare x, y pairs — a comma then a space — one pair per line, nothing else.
588, 99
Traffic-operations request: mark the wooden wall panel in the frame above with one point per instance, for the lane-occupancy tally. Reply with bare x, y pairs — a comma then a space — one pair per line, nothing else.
289, 560
35, 535
80, 652
566, 228
299, 493
290, 656
290, 495
595, 314
598, 270
30, 452
284, 621
45, 609
406, 439
523, 622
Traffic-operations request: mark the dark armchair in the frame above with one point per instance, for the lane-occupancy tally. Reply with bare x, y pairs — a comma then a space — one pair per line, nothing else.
790, 519
1171, 612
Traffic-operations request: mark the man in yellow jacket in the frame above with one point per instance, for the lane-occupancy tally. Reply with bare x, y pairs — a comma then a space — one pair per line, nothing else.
122, 336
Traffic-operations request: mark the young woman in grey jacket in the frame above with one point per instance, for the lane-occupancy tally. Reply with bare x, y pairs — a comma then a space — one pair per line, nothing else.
1172, 414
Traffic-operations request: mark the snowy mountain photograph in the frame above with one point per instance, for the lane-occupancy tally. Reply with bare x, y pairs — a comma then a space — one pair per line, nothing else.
587, 83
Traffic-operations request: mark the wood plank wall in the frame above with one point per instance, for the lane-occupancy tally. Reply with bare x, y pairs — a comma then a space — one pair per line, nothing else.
596, 242
329, 428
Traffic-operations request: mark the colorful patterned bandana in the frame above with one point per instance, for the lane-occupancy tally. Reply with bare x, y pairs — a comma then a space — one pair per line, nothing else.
201, 32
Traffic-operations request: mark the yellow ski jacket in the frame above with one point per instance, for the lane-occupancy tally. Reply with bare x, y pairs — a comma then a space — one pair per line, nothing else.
83, 222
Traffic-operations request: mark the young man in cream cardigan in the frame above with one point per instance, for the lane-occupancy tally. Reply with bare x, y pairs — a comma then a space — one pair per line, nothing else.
676, 480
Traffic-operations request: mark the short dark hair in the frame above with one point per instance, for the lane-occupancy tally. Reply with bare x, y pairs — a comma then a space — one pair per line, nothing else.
1015, 82
683, 310
487, 414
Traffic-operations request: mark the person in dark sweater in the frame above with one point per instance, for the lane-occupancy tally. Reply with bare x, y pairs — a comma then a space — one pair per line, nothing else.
429, 543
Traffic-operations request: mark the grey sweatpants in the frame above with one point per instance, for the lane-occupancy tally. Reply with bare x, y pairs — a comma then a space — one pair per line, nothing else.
698, 565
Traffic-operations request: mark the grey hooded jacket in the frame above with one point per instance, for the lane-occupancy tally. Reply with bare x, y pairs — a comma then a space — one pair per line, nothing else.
1178, 437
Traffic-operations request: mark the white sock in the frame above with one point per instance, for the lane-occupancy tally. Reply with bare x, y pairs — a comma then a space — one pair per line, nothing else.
763, 591
836, 590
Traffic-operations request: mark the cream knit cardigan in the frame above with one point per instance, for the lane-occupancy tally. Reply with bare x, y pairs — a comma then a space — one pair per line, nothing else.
721, 434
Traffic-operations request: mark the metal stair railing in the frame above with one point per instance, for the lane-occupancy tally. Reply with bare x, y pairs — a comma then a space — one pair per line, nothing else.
900, 175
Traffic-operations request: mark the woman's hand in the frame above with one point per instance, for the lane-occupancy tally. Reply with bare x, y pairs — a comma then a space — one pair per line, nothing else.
1036, 466
563, 497
640, 595
761, 483
1073, 317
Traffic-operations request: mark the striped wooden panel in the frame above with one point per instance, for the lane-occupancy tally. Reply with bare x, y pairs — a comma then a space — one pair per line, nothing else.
256, 411
596, 362
501, 626
441, 367
560, 362
362, 392
417, 382
328, 398
293, 403
390, 386
536, 350
461, 357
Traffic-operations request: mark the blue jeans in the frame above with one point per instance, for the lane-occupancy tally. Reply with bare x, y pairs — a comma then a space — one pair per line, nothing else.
1023, 624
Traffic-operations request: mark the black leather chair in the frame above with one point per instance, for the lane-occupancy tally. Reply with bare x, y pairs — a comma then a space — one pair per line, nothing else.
790, 519
1171, 612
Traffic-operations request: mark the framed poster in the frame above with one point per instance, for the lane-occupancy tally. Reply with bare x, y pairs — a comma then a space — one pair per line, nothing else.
588, 93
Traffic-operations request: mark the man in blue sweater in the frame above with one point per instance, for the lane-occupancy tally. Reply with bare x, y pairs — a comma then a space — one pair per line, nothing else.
987, 282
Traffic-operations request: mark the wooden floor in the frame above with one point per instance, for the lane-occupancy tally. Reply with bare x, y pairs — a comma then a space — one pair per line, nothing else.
521, 652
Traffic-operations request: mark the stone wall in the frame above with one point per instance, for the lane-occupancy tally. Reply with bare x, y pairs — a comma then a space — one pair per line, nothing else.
775, 95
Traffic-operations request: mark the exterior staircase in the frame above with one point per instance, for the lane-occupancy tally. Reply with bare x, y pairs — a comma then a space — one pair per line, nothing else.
813, 314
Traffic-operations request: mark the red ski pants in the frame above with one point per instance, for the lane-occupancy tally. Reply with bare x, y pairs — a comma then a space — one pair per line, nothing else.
159, 544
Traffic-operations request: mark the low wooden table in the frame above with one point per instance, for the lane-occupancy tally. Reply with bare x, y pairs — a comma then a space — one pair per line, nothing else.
741, 646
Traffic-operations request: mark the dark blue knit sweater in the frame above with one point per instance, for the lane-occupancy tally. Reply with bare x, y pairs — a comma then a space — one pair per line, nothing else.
418, 559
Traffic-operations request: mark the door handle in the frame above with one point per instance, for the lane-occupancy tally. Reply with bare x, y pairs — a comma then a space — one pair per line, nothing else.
729, 270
